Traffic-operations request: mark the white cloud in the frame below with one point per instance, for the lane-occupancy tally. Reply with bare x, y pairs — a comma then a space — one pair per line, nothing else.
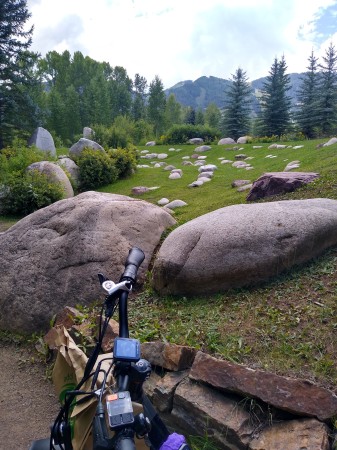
181, 39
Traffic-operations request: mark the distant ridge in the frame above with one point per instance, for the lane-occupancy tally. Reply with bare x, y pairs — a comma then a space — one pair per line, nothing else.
205, 90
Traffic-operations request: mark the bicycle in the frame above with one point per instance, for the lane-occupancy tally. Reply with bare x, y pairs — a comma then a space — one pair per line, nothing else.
129, 370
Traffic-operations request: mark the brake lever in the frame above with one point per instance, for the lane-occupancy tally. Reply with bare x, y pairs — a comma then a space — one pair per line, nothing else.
110, 287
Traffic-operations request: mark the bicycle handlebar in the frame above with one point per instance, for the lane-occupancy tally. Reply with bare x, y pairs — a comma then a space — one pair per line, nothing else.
133, 261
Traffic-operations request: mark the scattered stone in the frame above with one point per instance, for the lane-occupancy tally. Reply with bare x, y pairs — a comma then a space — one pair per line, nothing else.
196, 141
76, 149
55, 175
187, 163
175, 176
271, 156
240, 156
257, 146
163, 201
196, 183
199, 163
225, 141
208, 168
202, 157
177, 171
143, 166
238, 183
43, 140
204, 179
185, 157
297, 146
330, 142
144, 152
275, 183
150, 144
240, 164
171, 149
202, 148
162, 155
58, 247
195, 156
139, 190
209, 174
292, 165
157, 165
246, 187
293, 395
273, 238
176, 204
226, 161
169, 167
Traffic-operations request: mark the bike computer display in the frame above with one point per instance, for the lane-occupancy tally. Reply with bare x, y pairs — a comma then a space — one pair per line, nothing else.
126, 349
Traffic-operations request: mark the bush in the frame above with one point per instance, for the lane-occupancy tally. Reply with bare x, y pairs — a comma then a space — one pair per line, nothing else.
180, 134
96, 169
22, 194
125, 161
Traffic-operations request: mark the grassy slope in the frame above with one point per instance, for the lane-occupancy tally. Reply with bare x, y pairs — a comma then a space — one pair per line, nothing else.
288, 325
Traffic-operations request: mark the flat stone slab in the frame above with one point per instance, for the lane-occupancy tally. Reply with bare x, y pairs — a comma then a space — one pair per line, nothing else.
299, 397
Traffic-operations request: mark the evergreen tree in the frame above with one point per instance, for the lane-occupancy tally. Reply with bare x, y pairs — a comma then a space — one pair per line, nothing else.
120, 92
275, 114
190, 116
199, 117
156, 105
308, 114
328, 92
16, 74
236, 121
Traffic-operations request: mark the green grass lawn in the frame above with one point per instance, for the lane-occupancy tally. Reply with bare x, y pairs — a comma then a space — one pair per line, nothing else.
288, 325
219, 193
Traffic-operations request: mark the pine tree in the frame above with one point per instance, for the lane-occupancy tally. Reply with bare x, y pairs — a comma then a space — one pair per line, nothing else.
16, 64
308, 114
236, 121
275, 114
328, 92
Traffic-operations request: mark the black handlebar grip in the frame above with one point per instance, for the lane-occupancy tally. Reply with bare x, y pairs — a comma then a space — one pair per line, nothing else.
133, 261
125, 443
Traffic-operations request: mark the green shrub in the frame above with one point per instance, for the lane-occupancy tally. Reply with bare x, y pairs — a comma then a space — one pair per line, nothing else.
22, 194
180, 134
125, 161
96, 169
17, 158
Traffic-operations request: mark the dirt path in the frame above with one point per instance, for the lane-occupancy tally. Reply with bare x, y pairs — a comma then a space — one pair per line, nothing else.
28, 403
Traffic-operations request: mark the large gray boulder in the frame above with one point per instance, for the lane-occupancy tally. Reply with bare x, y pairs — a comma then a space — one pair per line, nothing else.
243, 245
76, 149
43, 140
51, 258
55, 174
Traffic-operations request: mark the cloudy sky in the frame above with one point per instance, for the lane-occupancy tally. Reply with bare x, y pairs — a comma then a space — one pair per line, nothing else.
185, 39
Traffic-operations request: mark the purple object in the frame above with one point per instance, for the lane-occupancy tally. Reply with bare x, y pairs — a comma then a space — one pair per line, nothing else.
173, 442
